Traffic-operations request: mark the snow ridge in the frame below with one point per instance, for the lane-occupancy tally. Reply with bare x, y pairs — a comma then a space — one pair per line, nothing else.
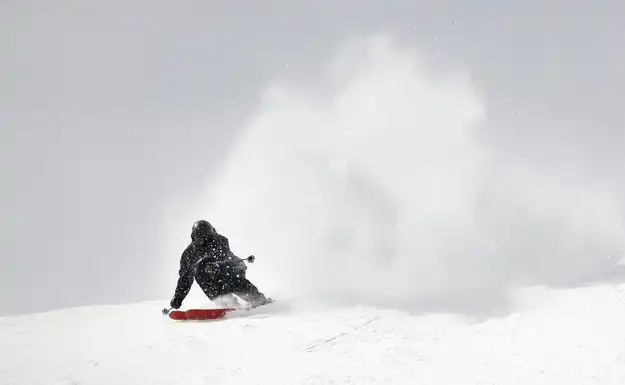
554, 337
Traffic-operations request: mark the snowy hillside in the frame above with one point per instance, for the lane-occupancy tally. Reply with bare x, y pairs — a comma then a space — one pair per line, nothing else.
564, 337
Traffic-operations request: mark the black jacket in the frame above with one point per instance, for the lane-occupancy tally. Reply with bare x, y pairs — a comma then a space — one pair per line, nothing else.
194, 261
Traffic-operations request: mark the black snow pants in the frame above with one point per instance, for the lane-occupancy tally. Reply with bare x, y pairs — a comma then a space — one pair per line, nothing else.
222, 281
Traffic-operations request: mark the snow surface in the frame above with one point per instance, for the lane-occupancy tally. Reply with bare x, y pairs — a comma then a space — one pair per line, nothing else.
567, 337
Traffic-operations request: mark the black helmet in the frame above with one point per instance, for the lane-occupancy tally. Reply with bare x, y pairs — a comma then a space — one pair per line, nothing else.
202, 231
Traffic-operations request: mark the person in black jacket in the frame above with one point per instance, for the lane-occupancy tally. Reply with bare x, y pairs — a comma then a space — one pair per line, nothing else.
209, 260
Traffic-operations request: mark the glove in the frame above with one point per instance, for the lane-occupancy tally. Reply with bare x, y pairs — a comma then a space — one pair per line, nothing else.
175, 303
239, 266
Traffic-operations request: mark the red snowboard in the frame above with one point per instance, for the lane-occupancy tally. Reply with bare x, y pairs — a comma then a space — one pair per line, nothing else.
199, 314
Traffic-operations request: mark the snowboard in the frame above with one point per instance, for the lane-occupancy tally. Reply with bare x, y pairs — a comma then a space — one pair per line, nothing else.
199, 314
208, 314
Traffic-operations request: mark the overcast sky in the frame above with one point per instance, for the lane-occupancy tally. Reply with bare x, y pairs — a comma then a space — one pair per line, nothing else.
112, 113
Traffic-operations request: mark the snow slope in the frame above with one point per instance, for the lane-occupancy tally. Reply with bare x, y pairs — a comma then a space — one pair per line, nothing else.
553, 337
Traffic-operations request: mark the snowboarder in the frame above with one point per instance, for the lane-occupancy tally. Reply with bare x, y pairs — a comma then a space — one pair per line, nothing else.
219, 273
